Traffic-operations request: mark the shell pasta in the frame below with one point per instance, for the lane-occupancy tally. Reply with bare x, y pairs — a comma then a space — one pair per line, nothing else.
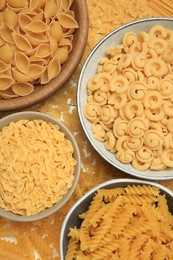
133, 222
36, 38
129, 102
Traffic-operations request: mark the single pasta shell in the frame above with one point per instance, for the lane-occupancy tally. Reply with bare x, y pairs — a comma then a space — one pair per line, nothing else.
43, 50
17, 3
66, 4
22, 42
36, 4
53, 45
66, 42
37, 26
44, 77
6, 34
23, 20
50, 9
35, 71
3, 66
10, 18
54, 67
22, 89
6, 53
36, 38
39, 16
62, 54
38, 61
21, 61
19, 77
67, 21
56, 31
7, 94
5, 81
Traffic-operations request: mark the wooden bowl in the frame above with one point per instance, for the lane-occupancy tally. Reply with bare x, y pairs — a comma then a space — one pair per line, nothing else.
41, 92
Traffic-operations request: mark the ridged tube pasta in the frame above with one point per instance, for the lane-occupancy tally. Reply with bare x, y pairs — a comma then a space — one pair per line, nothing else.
120, 128
158, 44
133, 108
167, 157
155, 67
129, 39
118, 101
92, 111
158, 31
137, 91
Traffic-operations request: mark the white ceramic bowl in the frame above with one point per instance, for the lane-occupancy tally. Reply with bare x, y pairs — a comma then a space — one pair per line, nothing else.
68, 135
89, 69
71, 220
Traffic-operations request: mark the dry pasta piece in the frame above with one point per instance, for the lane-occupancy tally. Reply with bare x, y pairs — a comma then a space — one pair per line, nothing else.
133, 216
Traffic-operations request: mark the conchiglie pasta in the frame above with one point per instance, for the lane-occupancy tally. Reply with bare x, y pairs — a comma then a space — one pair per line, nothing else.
36, 37
135, 81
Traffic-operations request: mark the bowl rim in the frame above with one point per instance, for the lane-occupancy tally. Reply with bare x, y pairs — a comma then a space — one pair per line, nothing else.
42, 92
31, 115
100, 186
139, 174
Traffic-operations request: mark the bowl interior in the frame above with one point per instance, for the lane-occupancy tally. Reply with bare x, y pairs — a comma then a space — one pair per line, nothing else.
42, 92
89, 69
82, 205
36, 115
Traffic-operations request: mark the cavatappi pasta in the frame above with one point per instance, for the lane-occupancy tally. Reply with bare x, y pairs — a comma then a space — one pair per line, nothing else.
124, 223
36, 166
36, 38
130, 99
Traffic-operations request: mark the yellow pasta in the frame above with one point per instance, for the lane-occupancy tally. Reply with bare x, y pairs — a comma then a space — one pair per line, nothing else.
130, 100
133, 216
39, 29
49, 176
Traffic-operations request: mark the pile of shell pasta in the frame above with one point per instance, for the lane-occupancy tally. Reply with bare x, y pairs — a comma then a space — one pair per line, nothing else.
130, 99
35, 40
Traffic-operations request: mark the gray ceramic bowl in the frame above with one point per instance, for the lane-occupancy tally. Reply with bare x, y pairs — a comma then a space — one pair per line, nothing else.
68, 135
82, 205
89, 69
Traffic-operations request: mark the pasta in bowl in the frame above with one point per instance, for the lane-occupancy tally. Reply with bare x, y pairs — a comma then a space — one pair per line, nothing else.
118, 214
41, 45
125, 98
39, 167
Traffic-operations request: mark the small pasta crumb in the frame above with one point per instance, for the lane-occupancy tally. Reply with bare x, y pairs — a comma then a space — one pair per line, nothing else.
36, 165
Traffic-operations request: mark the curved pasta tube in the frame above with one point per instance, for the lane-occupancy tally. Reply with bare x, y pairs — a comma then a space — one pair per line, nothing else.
152, 82
134, 144
119, 84
138, 165
120, 128
165, 87
133, 108
155, 67
153, 100
167, 157
120, 143
154, 114
144, 37
170, 125
129, 38
136, 127
168, 108
110, 141
137, 91
153, 139
100, 97
138, 61
158, 31
125, 61
107, 114
117, 100
125, 156
98, 131
92, 111
99, 81
130, 74
157, 164
158, 44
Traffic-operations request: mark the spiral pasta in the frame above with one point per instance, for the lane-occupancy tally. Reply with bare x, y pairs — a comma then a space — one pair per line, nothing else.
135, 217
130, 100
